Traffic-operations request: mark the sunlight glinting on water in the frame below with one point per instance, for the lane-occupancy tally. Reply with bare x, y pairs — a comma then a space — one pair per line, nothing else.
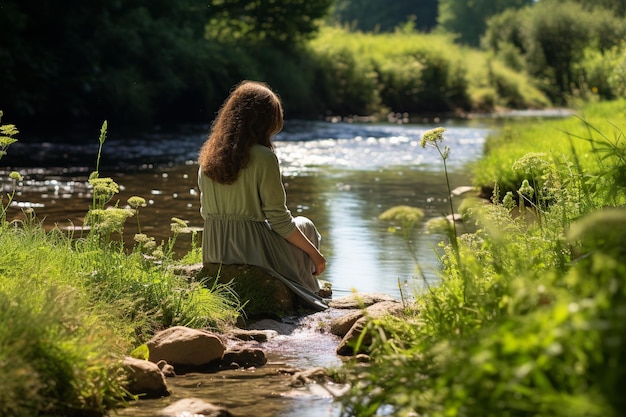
384, 147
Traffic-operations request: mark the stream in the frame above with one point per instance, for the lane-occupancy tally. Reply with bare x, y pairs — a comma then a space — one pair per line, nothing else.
340, 175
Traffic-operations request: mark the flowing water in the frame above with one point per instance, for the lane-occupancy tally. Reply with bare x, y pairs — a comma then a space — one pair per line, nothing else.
341, 175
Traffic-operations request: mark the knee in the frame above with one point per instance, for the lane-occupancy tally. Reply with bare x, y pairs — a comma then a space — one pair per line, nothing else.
303, 221
307, 227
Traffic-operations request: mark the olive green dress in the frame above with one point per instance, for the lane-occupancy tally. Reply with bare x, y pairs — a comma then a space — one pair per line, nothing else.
246, 222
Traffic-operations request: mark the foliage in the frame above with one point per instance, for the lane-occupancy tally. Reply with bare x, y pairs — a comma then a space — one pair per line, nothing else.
588, 143
71, 307
550, 40
281, 23
383, 16
408, 72
136, 61
467, 19
525, 319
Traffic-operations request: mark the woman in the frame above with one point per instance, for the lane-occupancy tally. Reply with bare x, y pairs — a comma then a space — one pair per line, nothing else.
243, 201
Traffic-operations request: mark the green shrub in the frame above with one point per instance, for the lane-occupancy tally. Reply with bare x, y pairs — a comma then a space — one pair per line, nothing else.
71, 307
528, 316
412, 72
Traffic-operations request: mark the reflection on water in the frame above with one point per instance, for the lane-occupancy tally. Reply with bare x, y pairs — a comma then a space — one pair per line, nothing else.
342, 176
265, 391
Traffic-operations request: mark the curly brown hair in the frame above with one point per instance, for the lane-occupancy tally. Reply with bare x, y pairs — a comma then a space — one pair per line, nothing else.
251, 115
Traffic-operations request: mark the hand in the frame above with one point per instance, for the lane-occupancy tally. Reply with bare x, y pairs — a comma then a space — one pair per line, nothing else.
320, 264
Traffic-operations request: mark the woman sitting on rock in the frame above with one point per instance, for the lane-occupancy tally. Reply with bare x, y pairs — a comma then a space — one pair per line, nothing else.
243, 200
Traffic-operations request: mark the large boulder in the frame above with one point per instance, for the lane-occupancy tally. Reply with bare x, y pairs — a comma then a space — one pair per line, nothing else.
186, 347
244, 357
263, 294
144, 378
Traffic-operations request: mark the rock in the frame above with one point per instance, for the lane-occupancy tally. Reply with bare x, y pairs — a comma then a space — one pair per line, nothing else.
166, 368
378, 310
339, 326
359, 300
145, 378
245, 357
187, 347
464, 189
194, 407
264, 294
260, 336
348, 343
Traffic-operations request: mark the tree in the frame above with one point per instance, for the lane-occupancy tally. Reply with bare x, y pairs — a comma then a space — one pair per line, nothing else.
468, 18
616, 6
282, 23
75, 59
385, 16
133, 60
553, 38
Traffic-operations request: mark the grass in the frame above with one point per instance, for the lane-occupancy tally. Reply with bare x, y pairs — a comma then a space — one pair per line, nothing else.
528, 316
588, 142
72, 307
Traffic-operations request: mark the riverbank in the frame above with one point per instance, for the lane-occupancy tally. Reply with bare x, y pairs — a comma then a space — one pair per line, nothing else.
300, 374
58, 293
525, 316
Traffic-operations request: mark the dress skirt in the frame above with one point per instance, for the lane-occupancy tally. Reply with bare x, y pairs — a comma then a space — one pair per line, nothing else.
232, 239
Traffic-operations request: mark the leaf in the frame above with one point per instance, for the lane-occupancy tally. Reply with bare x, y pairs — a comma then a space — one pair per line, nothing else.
141, 352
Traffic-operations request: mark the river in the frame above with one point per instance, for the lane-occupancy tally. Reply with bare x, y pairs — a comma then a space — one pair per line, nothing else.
341, 175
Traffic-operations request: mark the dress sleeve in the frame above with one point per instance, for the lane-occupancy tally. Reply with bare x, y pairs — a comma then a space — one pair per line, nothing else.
273, 197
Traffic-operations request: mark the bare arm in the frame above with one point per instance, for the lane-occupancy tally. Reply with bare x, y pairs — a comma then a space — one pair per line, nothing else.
297, 239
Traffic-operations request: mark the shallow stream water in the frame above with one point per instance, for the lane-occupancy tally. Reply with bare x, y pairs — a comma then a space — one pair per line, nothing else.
341, 175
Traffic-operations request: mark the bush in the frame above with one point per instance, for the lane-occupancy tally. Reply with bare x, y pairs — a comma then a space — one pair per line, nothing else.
527, 316
411, 72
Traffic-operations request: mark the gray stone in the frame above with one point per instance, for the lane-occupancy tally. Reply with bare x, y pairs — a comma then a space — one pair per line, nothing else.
187, 347
359, 300
260, 336
339, 326
144, 378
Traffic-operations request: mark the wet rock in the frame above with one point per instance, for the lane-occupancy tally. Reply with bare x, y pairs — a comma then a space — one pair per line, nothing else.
145, 378
166, 368
359, 300
245, 357
194, 407
348, 343
184, 346
260, 336
341, 325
